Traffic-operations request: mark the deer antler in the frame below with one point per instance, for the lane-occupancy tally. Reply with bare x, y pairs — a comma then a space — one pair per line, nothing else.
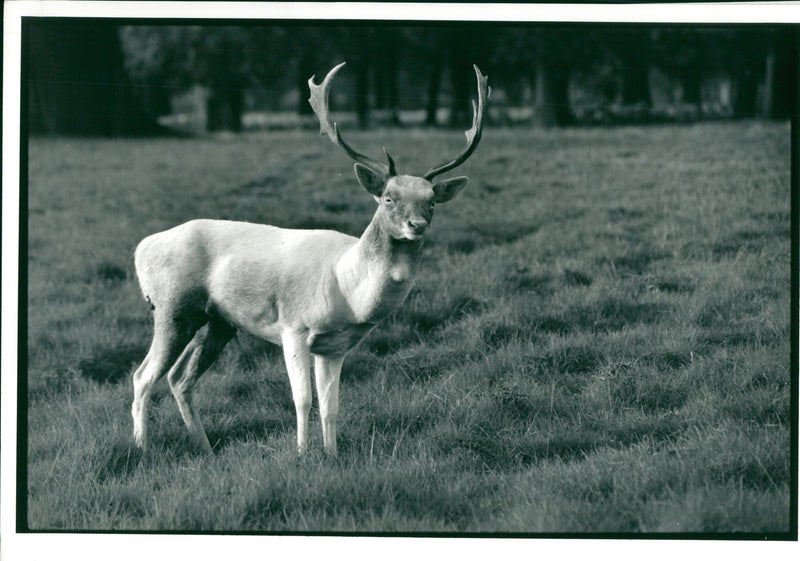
319, 103
473, 134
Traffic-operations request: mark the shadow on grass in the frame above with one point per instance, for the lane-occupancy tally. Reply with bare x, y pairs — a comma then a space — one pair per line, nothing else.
577, 278
650, 394
361, 364
108, 272
495, 335
610, 314
665, 361
718, 317
268, 510
520, 279
488, 234
750, 241
405, 331
119, 461
675, 286
577, 359
497, 452
112, 365
406, 328
450, 506
174, 442
251, 353
634, 262
243, 430
428, 321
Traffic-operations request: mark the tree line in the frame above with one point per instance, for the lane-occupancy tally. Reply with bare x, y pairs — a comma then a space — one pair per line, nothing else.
89, 77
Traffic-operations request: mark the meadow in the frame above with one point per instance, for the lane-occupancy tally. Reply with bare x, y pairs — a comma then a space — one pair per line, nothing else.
598, 340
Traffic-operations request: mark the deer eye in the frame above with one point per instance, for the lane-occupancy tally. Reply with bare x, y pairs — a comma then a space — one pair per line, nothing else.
388, 200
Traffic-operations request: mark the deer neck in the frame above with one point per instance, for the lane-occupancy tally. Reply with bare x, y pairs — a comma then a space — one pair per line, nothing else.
377, 273
377, 246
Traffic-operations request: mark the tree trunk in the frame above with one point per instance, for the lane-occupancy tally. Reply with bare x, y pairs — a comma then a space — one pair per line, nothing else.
386, 69
226, 102
636, 81
362, 95
746, 94
434, 87
379, 85
155, 100
305, 69
462, 54
551, 107
692, 82
782, 68
361, 48
225, 109
77, 83
461, 106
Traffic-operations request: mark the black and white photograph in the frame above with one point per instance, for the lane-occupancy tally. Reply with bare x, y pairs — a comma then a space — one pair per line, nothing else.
382, 276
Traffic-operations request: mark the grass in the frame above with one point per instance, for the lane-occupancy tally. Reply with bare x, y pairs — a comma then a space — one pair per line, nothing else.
598, 340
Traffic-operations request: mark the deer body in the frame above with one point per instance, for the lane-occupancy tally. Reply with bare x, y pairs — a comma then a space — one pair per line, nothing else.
266, 280
317, 293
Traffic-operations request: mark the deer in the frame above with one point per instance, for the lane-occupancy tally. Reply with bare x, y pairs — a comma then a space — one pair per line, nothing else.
316, 293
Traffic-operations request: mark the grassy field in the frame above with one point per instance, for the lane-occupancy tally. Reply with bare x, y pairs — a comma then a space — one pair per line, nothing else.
598, 340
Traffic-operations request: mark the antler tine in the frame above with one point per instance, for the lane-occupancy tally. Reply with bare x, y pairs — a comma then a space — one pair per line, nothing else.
473, 134
319, 103
392, 168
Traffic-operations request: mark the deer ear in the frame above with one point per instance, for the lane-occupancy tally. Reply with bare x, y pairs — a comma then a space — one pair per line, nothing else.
449, 188
369, 180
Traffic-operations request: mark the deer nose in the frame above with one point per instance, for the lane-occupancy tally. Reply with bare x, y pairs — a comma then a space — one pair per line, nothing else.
418, 225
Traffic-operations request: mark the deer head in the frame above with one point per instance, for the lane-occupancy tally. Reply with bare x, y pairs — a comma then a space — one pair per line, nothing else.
405, 202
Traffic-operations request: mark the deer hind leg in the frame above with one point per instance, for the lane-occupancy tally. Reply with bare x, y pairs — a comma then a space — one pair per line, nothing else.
298, 365
170, 337
326, 373
199, 354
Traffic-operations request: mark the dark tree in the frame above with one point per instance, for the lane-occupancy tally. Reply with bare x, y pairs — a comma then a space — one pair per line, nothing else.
690, 55
435, 75
781, 75
441, 51
308, 46
460, 53
427, 56
356, 45
386, 71
558, 52
742, 55
77, 83
304, 70
756, 59
226, 77
224, 59
146, 52
511, 70
630, 46
468, 45
552, 94
361, 38
549, 57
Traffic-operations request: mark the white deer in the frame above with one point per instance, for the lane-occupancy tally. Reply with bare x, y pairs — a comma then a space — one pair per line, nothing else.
314, 292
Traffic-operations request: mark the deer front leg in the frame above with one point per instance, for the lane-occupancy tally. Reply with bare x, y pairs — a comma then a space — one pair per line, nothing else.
326, 372
298, 364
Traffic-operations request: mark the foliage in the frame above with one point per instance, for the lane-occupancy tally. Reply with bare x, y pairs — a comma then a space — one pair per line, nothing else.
598, 340
75, 82
400, 66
